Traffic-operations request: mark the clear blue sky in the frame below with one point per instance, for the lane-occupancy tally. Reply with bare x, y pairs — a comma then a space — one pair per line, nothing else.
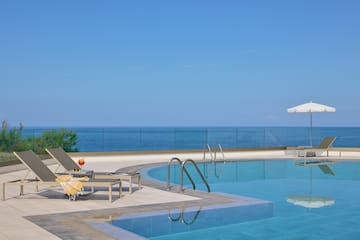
178, 63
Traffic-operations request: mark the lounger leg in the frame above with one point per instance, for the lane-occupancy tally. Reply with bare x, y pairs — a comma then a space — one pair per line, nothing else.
139, 182
3, 192
120, 189
130, 185
110, 193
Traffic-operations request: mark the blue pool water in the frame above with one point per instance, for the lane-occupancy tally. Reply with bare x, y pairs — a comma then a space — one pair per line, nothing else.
272, 216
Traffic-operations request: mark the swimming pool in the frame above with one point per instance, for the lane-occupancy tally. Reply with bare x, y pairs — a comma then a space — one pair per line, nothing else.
331, 210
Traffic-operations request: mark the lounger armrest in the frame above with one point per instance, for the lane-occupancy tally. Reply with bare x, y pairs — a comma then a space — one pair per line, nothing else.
299, 148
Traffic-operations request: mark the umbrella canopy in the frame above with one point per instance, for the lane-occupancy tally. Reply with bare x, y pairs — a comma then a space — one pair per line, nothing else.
310, 201
311, 107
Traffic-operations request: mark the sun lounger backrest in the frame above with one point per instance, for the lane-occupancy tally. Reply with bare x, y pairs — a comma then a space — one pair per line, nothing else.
35, 164
326, 142
63, 158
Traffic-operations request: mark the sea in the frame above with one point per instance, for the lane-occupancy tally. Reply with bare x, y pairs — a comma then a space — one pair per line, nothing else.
108, 139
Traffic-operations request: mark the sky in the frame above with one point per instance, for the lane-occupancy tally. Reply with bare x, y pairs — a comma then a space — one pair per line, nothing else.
178, 63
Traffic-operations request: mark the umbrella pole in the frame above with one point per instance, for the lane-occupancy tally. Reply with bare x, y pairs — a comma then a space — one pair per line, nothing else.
311, 180
311, 129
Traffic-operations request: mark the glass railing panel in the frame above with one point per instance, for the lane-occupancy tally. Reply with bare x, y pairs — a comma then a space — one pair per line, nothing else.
158, 138
224, 136
90, 139
95, 139
122, 139
190, 138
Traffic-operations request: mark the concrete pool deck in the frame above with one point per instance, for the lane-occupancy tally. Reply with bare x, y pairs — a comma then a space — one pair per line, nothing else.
47, 215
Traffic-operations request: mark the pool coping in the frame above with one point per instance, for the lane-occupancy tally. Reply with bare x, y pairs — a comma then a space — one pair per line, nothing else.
239, 202
75, 225
67, 225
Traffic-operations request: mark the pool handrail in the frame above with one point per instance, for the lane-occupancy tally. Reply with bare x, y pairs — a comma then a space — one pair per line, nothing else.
196, 168
215, 162
213, 159
168, 173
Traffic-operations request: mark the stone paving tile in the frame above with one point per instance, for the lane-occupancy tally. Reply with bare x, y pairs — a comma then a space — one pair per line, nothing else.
20, 209
73, 225
50, 211
47, 215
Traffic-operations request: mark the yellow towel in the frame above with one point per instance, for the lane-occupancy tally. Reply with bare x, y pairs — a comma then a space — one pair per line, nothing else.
70, 185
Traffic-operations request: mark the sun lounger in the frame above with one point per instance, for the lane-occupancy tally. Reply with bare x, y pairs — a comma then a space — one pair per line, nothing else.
69, 165
44, 176
324, 146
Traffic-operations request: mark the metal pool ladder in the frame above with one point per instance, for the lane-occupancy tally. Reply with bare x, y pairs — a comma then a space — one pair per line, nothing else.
184, 170
213, 159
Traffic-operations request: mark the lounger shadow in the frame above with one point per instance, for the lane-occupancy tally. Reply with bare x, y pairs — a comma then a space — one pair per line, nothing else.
44, 176
69, 165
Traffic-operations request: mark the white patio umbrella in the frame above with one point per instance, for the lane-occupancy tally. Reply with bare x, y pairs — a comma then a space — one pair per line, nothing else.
311, 107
